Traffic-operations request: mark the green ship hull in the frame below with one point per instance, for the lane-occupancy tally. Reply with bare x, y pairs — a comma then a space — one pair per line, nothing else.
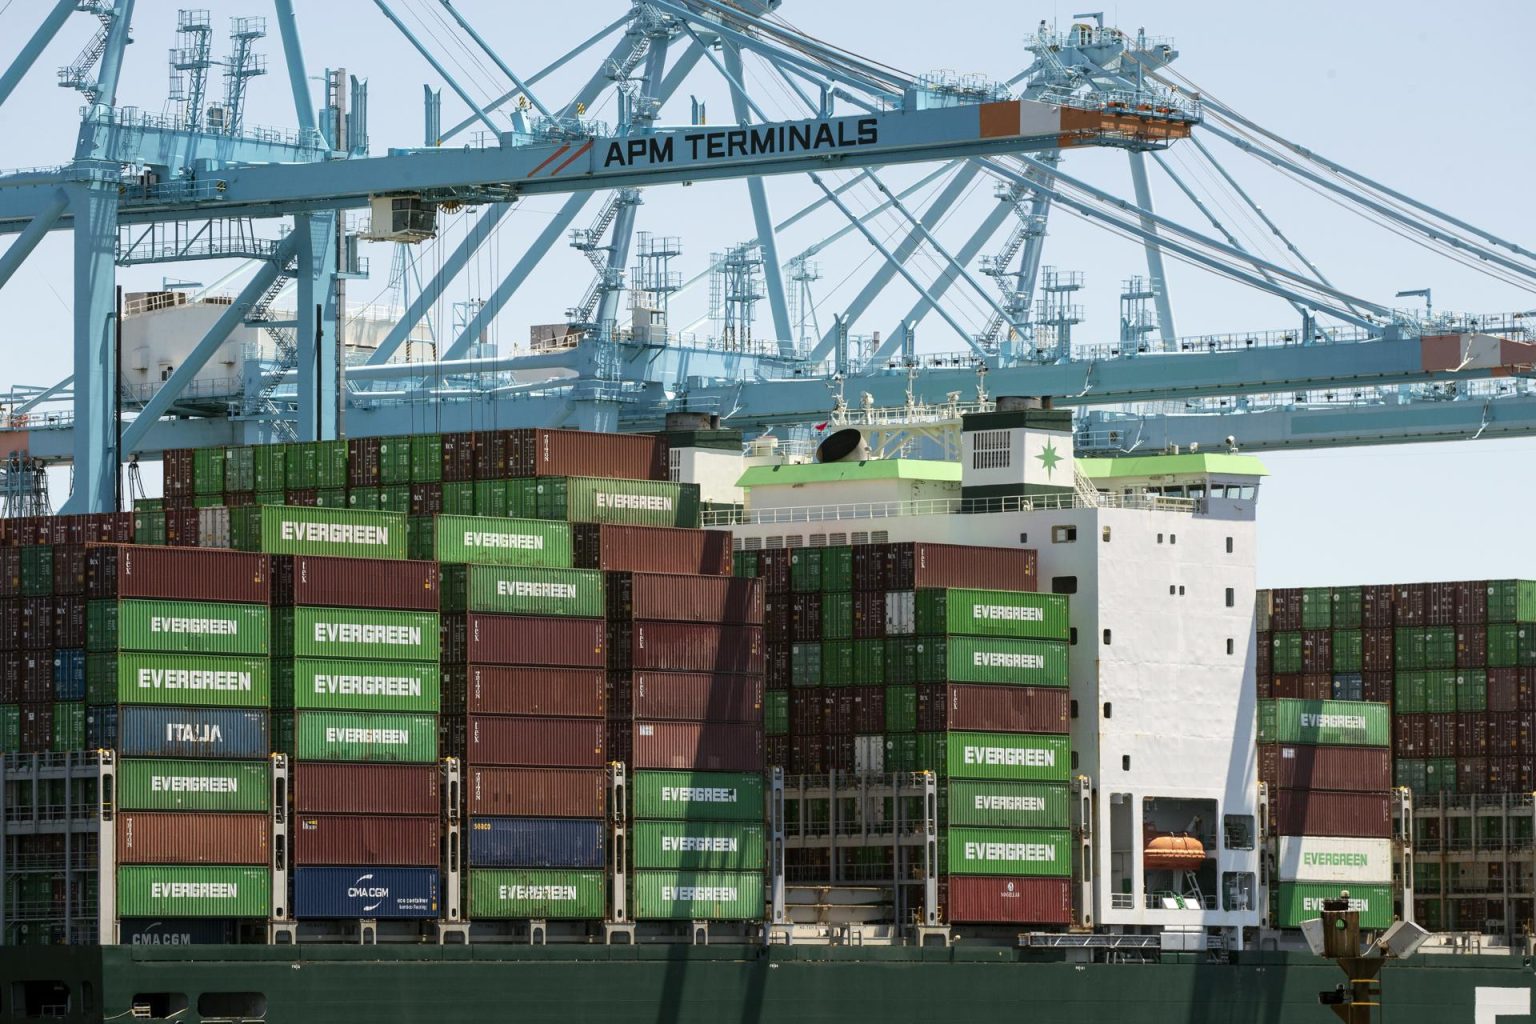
719, 984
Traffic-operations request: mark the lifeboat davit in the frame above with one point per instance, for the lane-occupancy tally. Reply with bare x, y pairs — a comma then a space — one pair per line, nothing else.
1174, 853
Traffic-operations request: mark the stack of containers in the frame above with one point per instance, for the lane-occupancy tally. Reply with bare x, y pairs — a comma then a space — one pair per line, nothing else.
179, 678
1328, 768
357, 695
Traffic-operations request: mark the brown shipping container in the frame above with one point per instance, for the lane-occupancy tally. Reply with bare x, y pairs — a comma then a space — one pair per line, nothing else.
391, 840
687, 647
992, 708
530, 640
1300, 812
1472, 602
1471, 646
1316, 686
1347, 769
147, 838
585, 453
919, 564
1377, 650
1503, 689
69, 568
458, 457
543, 692
1471, 775
1317, 651
552, 742
1440, 734
773, 568
652, 549
1377, 687
1410, 735
1376, 607
1410, 604
354, 583
692, 746
327, 788
1009, 900
678, 598
1440, 601
179, 574
1287, 609
687, 697
536, 792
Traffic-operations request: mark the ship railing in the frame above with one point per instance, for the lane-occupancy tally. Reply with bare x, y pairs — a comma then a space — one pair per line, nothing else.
949, 506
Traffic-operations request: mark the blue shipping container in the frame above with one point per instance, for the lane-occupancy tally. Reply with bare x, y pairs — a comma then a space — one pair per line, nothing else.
100, 726
177, 931
1348, 686
365, 892
535, 843
192, 732
69, 675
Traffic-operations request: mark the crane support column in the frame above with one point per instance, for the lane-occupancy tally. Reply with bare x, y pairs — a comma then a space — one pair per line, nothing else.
1155, 272
95, 432
319, 355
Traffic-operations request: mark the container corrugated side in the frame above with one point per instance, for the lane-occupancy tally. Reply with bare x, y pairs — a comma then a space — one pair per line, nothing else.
536, 792
667, 597
184, 574
200, 680
355, 582
521, 894
1022, 757
984, 707
368, 633
1010, 851
691, 746
193, 891
329, 788
1303, 766
1300, 812
364, 736
536, 691
345, 839
371, 892
657, 549
1008, 613
529, 640
698, 796
1298, 901
1013, 899
343, 684
489, 541
1324, 722
692, 696
1334, 859
698, 845
688, 647
195, 786
337, 532
158, 837
178, 627
535, 742
698, 895
523, 590
501, 842
921, 564
968, 659
584, 499
991, 804
550, 452
192, 732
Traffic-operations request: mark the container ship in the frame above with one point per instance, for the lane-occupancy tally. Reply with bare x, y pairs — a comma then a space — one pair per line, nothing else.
677, 725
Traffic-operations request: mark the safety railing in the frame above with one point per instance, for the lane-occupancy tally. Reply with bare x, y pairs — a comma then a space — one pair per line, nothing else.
950, 506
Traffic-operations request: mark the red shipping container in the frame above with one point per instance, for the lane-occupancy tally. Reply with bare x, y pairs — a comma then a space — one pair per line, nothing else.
1472, 602
776, 751
1503, 689
807, 755
1503, 734
153, 838
776, 667
807, 713
36, 624
985, 708
382, 840
533, 742
33, 672
543, 452
69, 621
687, 697
1317, 651
493, 454
805, 618
1471, 775
1440, 735
870, 568
1440, 604
1471, 646
426, 499
69, 568
181, 526
355, 583
363, 462
680, 598
1525, 723
36, 728
1410, 735
1316, 686
1527, 695
325, 787
1265, 665
1377, 650
839, 752
651, 549
1410, 604
919, 564
10, 571
1265, 687
1342, 769
1472, 735
177, 472
478, 638
535, 692
306, 498
1300, 812
998, 900
868, 615
776, 621
1286, 614
1378, 687
773, 568
536, 792
458, 457
1503, 776
686, 647
1286, 687
691, 746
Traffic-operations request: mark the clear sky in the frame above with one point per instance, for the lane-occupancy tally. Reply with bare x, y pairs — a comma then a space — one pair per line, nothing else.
1404, 92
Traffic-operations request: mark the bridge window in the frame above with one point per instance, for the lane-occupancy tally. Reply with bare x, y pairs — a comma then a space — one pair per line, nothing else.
1063, 584
1231, 598
1229, 545
1231, 646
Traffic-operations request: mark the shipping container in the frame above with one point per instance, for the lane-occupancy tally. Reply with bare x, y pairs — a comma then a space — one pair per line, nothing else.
1006, 756
150, 931
355, 583
1005, 613
966, 659
1297, 902
191, 732
491, 541
1333, 859
698, 896
666, 597
366, 892
196, 786
651, 549
984, 708
687, 697
698, 796
536, 894
1324, 722
341, 684
1511, 601
1010, 899
1303, 766
362, 633
536, 792
479, 638
914, 565
345, 839
361, 736
535, 742
335, 532
690, 746
1300, 812
178, 626
999, 851
202, 680
523, 590
686, 647
193, 891
579, 499
182, 574
152, 837
514, 690
535, 842
544, 452
1008, 804
382, 789
699, 845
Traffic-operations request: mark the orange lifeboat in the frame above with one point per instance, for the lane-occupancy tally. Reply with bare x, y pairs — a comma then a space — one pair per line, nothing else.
1174, 853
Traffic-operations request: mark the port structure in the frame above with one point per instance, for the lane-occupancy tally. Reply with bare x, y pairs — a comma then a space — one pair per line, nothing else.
203, 183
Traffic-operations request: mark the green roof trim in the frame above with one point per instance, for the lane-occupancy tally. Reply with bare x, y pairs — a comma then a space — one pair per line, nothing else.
1191, 464
836, 472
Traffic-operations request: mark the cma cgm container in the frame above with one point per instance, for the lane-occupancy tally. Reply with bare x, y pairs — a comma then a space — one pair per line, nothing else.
698, 796
536, 893
374, 892
355, 583
337, 532
193, 891
320, 788
206, 786
186, 574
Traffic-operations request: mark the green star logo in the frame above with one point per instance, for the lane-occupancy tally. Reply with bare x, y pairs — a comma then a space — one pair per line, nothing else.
1048, 458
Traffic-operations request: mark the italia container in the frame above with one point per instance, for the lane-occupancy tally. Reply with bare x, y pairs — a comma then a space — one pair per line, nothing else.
689, 696
211, 680
1301, 766
177, 626
335, 532
373, 892
690, 746
1300, 812
346, 839
697, 796
321, 788
1010, 851
1334, 859
1010, 899
370, 736
1034, 805
536, 792
221, 733
488, 541
677, 598
687, 647
153, 837
987, 708
193, 891
342, 684
187, 574
1023, 757
1303, 901
615, 548
355, 583
698, 895
535, 842
535, 742
582, 499
361, 633
699, 845
1006, 613
539, 893
203, 786
523, 590
1324, 723
529, 640
972, 659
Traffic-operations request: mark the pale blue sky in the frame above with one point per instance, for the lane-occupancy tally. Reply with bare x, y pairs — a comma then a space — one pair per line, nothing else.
1407, 92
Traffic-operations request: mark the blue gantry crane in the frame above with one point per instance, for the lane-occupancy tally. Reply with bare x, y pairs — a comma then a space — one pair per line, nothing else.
200, 183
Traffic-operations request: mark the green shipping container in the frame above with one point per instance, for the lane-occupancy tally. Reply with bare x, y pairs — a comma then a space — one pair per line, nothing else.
1348, 608
36, 570
585, 499
868, 662
900, 710
208, 471
837, 616
186, 626
10, 727
1324, 723
68, 727
698, 796
996, 755
556, 893
1511, 645
1410, 693
505, 499
1471, 689
341, 684
489, 541
361, 736
1009, 804
697, 896
973, 659
195, 680
805, 569
776, 712
426, 458
1425, 647
364, 633
239, 469
149, 527
524, 590
1439, 691
199, 890
837, 663
699, 845
268, 468
166, 785
459, 499
1007, 613
340, 532
367, 498
836, 569
805, 664
1303, 901
1044, 853
1512, 601
395, 460
1317, 608
1348, 650
1287, 653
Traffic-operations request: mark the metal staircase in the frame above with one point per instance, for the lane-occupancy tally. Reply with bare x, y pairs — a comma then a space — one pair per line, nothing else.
77, 74
286, 340
589, 242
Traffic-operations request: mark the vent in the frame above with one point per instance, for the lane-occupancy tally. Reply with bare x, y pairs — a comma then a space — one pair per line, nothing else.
990, 449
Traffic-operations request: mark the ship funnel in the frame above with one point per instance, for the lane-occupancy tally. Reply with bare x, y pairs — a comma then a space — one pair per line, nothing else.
846, 445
